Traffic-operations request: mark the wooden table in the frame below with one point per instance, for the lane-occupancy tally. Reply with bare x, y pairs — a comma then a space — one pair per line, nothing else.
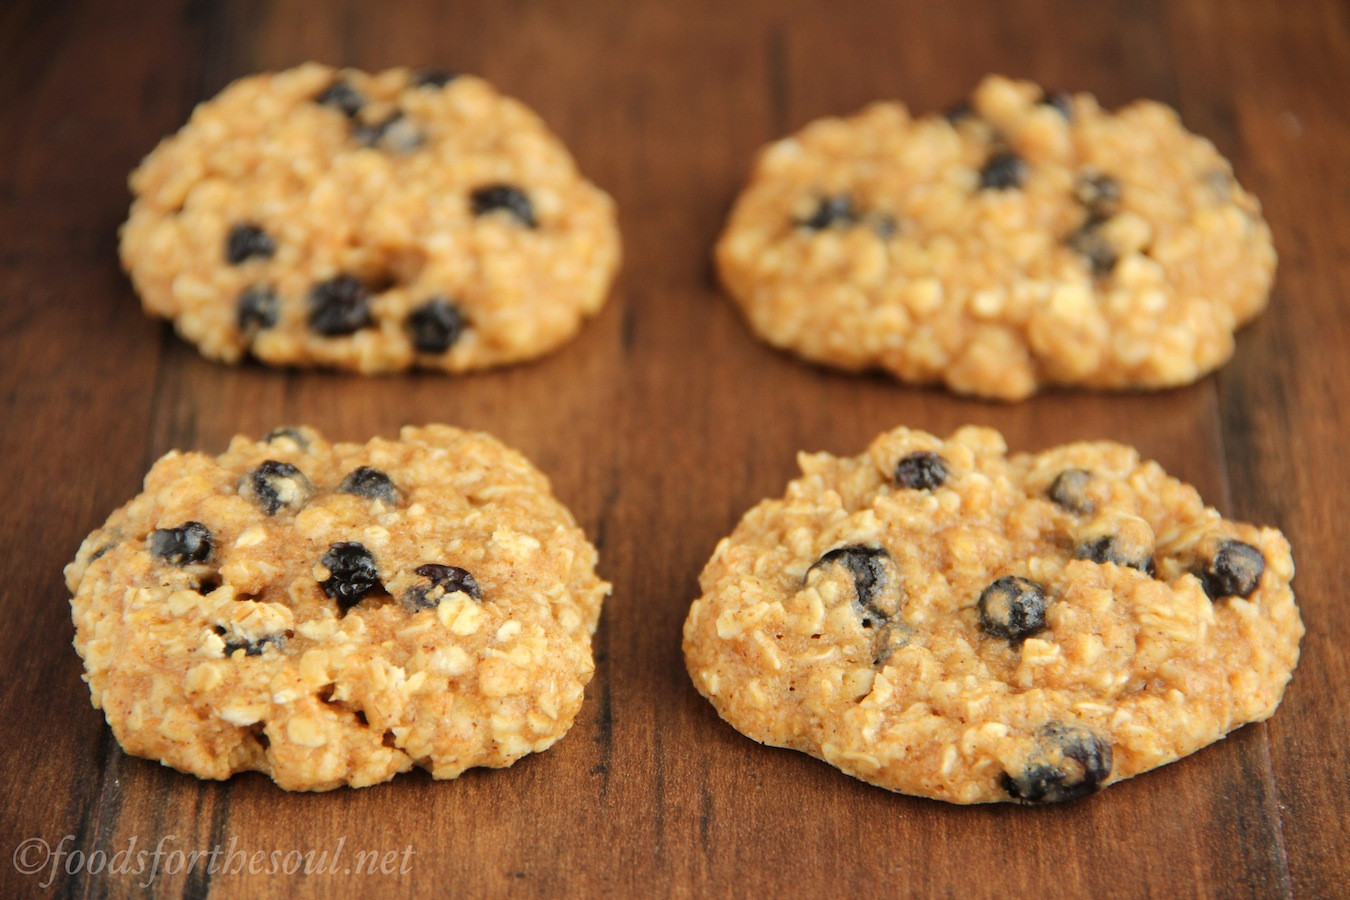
659, 426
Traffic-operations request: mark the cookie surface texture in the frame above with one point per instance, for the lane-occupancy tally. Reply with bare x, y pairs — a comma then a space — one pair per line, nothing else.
322, 217
1020, 241
333, 614
942, 619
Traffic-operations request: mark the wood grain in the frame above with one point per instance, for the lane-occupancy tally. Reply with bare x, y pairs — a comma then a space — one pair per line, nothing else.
661, 424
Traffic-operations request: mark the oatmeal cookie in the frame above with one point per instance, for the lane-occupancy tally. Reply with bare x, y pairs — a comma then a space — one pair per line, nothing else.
317, 217
1019, 241
942, 619
335, 614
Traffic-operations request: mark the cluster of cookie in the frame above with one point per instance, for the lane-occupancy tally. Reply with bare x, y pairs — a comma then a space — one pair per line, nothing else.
935, 617
1022, 239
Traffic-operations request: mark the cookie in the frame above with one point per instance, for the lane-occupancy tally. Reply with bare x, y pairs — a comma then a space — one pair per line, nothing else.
375, 223
1021, 240
942, 619
335, 614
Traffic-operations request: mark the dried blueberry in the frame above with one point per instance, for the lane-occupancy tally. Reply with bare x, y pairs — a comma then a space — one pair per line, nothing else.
1112, 548
246, 241
867, 566
343, 97
451, 578
921, 471
339, 306
832, 211
353, 573
259, 308
1061, 102
1012, 608
508, 197
370, 483
294, 435
275, 484
959, 112
368, 135
1099, 193
444, 580
1069, 762
1089, 242
253, 648
1069, 491
188, 543
1235, 571
1002, 171
397, 132
435, 326
434, 78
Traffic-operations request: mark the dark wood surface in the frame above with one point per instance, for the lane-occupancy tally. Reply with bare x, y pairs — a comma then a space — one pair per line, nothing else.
659, 426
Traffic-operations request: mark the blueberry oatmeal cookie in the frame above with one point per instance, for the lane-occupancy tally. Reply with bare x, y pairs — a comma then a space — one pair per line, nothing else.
1021, 240
335, 614
317, 217
942, 619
